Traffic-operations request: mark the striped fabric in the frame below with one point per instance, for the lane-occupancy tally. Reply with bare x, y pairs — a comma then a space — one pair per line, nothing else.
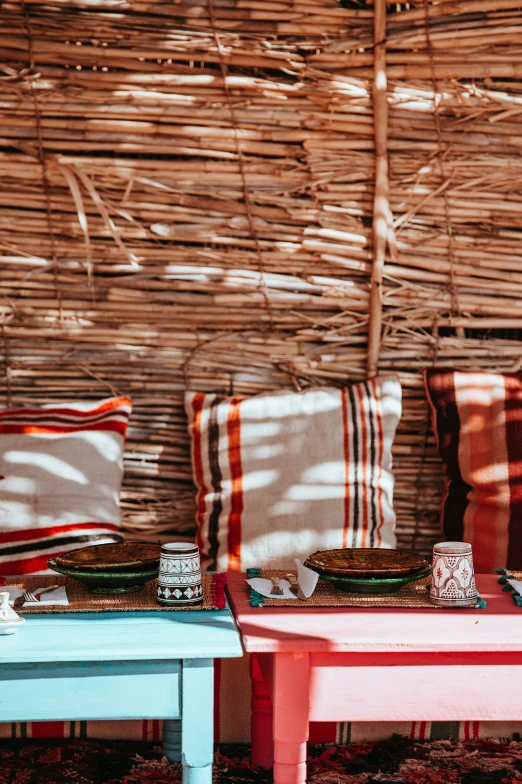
477, 419
60, 475
361, 731
143, 729
284, 474
347, 732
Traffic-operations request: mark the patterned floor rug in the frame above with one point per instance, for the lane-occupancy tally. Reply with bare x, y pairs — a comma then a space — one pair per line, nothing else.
398, 761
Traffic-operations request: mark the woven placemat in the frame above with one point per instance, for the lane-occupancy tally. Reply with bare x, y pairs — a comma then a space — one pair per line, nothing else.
81, 600
414, 594
509, 574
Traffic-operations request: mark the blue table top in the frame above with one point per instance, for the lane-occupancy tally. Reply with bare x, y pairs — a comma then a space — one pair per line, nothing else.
122, 636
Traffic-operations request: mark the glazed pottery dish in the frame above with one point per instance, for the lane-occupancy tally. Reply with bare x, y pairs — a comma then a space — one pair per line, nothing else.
373, 585
366, 562
110, 568
107, 582
368, 570
121, 557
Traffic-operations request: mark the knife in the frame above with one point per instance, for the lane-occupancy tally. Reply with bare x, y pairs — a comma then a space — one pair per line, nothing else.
19, 602
294, 586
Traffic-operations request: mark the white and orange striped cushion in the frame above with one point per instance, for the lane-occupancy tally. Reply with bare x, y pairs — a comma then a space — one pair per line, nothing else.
60, 475
283, 474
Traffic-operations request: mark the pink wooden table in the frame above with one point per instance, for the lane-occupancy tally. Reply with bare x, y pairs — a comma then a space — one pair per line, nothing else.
375, 665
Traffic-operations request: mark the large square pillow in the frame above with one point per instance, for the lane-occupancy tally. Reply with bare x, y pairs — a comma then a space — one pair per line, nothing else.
286, 473
60, 474
477, 419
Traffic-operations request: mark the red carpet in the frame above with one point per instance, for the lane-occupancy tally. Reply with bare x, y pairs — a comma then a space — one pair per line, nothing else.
398, 761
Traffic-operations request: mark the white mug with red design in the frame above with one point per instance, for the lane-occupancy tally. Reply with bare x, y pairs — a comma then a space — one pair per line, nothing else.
453, 578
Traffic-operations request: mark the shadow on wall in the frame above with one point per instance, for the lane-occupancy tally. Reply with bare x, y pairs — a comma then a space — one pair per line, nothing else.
51, 480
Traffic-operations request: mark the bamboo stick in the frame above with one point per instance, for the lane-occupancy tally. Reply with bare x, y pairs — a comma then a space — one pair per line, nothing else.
381, 208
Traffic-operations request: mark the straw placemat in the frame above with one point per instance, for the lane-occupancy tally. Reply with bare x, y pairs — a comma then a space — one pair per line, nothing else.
81, 600
414, 594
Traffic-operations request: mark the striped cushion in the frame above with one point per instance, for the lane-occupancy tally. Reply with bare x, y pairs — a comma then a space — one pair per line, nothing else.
60, 477
477, 419
283, 474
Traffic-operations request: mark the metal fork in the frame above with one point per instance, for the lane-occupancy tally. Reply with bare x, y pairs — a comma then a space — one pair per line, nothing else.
34, 596
276, 588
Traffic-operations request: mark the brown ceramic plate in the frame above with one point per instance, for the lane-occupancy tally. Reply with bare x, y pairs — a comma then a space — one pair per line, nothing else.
366, 562
112, 557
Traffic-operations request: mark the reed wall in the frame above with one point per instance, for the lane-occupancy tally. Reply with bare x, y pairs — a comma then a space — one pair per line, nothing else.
188, 197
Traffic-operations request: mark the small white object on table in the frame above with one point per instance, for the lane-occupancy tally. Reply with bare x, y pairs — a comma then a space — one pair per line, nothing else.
47, 599
516, 585
306, 580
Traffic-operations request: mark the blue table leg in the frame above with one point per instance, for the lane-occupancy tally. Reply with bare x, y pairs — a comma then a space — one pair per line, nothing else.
197, 714
172, 739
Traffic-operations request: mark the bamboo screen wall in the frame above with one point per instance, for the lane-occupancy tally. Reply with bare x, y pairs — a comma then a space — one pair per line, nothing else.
187, 198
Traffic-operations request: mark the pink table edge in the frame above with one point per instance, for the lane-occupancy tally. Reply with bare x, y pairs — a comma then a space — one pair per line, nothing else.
498, 627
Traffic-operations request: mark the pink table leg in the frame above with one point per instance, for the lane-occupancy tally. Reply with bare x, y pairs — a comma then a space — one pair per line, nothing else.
262, 740
291, 704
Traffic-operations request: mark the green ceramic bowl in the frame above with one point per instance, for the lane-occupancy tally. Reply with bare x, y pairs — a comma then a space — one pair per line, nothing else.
373, 585
106, 582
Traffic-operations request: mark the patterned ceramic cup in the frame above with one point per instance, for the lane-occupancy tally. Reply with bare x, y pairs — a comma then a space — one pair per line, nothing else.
179, 579
453, 579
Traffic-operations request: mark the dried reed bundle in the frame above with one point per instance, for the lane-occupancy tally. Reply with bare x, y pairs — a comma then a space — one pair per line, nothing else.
188, 200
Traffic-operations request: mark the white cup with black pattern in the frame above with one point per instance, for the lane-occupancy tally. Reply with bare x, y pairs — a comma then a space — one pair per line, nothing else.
179, 579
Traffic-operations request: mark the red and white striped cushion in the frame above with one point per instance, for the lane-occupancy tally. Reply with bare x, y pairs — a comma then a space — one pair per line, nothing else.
60, 474
477, 419
283, 474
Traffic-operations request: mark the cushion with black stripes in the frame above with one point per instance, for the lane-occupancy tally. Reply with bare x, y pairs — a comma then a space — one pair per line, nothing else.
283, 474
60, 475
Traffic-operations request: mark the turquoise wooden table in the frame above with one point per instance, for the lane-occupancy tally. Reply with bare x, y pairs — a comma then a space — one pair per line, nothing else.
122, 665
